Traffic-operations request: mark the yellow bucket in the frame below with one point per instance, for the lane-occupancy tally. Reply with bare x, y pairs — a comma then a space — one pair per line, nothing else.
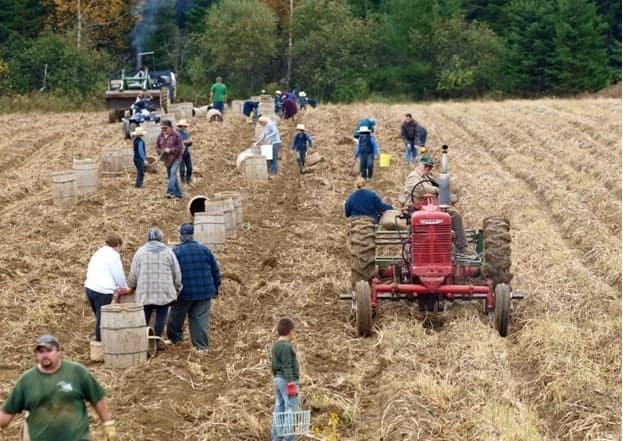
385, 160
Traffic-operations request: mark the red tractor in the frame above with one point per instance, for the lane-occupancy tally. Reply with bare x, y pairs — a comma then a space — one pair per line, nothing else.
426, 269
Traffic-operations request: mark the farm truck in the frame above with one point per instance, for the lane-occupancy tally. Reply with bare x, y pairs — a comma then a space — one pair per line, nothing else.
424, 267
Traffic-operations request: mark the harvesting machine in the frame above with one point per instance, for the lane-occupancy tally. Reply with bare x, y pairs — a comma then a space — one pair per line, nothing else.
424, 267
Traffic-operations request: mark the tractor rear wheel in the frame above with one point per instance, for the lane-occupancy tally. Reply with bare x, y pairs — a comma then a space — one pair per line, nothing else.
165, 99
362, 249
112, 116
497, 250
501, 313
363, 313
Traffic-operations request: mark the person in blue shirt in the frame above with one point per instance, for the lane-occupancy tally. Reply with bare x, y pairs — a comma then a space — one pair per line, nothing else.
186, 166
364, 202
140, 155
300, 143
251, 109
278, 103
302, 100
201, 278
370, 123
367, 150
270, 135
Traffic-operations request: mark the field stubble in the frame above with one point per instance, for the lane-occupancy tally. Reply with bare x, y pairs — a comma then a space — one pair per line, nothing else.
557, 376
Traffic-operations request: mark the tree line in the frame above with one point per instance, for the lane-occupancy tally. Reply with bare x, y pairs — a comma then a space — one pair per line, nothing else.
337, 50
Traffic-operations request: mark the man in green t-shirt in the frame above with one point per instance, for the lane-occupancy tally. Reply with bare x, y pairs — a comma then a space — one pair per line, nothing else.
54, 393
218, 95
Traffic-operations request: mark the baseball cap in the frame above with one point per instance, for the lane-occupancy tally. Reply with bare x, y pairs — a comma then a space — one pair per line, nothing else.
187, 230
49, 341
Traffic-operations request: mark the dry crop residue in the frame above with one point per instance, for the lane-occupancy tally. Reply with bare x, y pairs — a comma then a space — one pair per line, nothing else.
551, 166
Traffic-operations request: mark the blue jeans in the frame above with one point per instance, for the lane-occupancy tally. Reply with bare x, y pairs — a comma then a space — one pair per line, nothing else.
173, 187
410, 150
366, 165
186, 166
161, 317
300, 159
273, 164
140, 172
198, 312
283, 403
219, 105
97, 300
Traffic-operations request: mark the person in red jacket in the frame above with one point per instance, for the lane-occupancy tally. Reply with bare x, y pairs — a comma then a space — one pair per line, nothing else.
170, 147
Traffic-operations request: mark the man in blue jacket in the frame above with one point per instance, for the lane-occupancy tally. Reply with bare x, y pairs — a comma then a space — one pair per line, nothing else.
364, 202
201, 279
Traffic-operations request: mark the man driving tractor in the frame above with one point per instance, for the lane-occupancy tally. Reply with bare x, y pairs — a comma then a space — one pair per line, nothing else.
418, 184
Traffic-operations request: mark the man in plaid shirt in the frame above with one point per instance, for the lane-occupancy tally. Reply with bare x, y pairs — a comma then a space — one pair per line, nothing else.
201, 279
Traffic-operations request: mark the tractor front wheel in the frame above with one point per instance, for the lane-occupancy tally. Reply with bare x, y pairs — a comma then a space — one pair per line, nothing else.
501, 313
497, 250
362, 249
363, 314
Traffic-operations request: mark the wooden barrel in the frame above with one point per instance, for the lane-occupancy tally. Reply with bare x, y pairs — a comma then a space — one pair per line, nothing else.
112, 163
210, 229
127, 159
245, 154
237, 201
214, 115
85, 171
197, 204
227, 205
236, 106
64, 189
181, 110
152, 136
123, 334
255, 168
200, 111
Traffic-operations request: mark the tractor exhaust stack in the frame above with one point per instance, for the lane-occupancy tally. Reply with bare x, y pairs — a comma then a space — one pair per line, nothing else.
444, 179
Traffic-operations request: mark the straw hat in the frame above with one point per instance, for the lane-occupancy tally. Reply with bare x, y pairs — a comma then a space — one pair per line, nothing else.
301, 93
364, 129
300, 127
182, 123
139, 131
263, 119
277, 92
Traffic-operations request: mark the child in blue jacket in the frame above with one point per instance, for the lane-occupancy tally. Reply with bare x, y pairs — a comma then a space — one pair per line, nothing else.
140, 156
300, 143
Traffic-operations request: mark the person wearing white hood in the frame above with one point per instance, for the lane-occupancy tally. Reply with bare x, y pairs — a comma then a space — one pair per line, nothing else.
156, 278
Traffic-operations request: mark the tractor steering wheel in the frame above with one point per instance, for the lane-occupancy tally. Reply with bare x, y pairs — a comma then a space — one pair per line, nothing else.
415, 186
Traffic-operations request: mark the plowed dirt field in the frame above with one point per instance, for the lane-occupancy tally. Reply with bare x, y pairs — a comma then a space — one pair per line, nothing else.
553, 167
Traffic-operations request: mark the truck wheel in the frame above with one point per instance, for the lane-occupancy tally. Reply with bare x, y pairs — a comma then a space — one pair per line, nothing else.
363, 315
362, 249
497, 250
501, 313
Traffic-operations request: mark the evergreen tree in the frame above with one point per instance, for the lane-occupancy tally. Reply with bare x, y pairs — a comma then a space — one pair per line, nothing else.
530, 46
611, 11
492, 12
25, 18
581, 56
